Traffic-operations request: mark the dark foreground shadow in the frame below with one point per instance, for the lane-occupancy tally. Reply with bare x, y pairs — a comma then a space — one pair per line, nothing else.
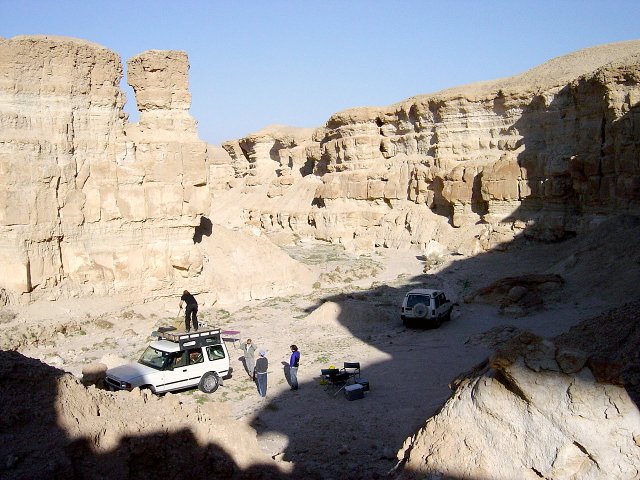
34, 445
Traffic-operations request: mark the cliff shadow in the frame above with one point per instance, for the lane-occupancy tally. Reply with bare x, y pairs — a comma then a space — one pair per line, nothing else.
204, 229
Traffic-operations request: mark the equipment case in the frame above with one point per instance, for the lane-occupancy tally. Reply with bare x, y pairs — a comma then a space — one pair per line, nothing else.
354, 392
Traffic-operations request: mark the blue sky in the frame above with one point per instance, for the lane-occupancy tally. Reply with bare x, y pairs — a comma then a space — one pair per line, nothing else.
256, 63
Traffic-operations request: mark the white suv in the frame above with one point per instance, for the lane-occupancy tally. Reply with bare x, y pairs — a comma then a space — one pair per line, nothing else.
176, 361
426, 307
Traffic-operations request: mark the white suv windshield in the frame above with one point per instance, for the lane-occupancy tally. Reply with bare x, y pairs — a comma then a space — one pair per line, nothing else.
413, 300
154, 358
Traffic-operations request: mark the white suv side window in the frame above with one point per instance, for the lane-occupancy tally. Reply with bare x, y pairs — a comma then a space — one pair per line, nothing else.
215, 352
195, 356
178, 359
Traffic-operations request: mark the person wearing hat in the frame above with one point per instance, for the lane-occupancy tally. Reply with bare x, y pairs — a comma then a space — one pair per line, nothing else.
260, 373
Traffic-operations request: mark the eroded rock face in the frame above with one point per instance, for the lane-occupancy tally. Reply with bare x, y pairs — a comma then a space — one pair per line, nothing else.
540, 153
92, 203
54, 94
89, 202
533, 410
519, 295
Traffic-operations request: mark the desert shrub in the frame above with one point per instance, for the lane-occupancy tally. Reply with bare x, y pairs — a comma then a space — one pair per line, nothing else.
104, 324
130, 314
107, 343
432, 261
7, 316
322, 359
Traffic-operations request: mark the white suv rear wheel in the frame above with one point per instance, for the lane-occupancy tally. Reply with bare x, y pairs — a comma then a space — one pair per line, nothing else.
209, 382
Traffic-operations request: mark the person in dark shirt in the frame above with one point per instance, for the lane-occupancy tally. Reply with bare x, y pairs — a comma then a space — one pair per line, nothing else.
294, 362
190, 310
260, 373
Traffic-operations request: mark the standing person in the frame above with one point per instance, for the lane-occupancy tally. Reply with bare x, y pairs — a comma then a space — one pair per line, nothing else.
260, 373
294, 362
190, 310
249, 350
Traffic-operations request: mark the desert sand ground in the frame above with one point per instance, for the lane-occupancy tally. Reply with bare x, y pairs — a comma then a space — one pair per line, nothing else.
352, 315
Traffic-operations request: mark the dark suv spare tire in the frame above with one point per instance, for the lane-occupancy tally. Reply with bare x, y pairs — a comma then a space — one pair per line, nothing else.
420, 310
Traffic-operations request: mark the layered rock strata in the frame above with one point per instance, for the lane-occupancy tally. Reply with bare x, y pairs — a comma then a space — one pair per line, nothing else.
544, 153
93, 203
89, 202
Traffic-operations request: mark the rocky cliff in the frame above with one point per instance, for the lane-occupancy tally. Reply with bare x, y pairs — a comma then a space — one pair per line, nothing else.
91, 203
545, 153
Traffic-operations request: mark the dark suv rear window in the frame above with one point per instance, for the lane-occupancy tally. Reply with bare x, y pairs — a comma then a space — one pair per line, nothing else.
413, 300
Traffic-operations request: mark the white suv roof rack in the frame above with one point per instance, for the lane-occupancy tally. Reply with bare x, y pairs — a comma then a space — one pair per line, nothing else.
197, 338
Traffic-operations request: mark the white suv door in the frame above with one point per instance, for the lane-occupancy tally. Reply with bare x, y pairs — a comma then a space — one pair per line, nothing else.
218, 361
187, 370
442, 306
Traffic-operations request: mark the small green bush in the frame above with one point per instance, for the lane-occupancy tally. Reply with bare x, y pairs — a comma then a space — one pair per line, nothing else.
104, 324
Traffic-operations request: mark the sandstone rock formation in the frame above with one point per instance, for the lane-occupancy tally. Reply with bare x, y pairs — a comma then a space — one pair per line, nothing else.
91, 203
562, 409
543, 153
